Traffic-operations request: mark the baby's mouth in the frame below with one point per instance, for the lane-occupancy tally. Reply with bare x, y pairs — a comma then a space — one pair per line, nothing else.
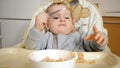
61, 25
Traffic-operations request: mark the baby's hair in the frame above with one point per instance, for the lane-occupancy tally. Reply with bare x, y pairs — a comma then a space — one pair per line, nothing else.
57, 3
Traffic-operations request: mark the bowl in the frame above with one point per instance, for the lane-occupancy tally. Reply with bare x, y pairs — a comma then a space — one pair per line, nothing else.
52, 59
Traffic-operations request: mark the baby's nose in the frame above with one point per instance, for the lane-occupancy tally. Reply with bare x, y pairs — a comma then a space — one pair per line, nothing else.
62, 19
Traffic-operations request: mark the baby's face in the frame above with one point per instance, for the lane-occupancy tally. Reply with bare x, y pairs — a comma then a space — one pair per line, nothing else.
60, 22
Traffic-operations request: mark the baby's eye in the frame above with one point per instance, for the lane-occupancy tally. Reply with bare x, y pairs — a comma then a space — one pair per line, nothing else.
67, 17
55, 17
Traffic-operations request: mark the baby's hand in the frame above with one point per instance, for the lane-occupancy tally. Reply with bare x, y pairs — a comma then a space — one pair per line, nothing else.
41, 21
97, 36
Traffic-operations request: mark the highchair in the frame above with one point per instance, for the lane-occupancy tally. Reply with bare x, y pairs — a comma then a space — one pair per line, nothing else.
88, 16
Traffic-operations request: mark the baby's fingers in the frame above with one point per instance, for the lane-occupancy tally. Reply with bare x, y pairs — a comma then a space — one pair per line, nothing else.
89, 37
101, 40
98, 35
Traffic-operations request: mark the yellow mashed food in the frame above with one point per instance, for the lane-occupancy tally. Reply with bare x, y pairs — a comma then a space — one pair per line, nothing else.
82, 60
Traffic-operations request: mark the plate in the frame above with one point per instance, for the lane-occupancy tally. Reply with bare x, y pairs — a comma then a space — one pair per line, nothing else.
18, 58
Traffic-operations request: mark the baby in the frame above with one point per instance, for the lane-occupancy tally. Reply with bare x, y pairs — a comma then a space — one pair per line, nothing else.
60, 32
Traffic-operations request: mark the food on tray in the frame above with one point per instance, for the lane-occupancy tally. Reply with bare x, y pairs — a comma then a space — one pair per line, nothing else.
92, 62
4, 66
82, 60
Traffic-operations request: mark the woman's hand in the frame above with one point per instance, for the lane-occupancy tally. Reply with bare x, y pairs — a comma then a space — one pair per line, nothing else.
97, 36
41, 21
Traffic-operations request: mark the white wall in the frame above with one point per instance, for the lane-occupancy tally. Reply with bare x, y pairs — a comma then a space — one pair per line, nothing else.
109, 7
12, 31
15, 16
18, 8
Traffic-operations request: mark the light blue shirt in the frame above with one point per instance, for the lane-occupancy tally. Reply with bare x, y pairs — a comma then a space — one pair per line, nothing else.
73, 42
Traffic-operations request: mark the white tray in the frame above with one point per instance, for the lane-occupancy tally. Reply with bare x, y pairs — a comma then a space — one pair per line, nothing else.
17, 58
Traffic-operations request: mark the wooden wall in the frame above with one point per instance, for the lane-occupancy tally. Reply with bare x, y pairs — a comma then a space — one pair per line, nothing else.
113, 26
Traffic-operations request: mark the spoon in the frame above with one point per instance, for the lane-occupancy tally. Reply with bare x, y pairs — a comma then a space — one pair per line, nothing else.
70, 5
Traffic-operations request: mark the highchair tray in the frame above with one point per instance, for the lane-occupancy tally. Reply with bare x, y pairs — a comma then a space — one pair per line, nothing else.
18, 58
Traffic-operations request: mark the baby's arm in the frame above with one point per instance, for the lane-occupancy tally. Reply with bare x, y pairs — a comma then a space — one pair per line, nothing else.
98, 36
92, 46
96, 41
36, 37
36, 40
